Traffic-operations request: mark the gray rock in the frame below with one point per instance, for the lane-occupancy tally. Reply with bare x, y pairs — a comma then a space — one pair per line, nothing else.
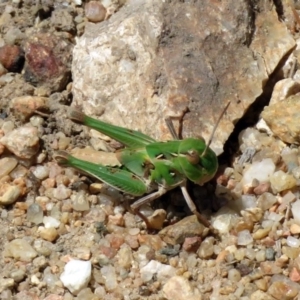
152, 59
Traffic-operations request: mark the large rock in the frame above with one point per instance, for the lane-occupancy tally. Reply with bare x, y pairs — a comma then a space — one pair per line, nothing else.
156, 58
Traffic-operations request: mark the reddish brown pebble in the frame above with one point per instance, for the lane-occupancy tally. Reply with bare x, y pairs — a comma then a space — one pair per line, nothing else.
12, 58
95, 11
294, 275
154, 241
115, 240
109, 252
191, 244
261, 188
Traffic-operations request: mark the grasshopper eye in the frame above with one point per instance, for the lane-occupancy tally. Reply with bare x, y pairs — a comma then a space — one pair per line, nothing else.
193, 157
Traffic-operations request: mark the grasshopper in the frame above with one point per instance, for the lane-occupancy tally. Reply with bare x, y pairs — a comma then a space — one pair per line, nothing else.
149, 168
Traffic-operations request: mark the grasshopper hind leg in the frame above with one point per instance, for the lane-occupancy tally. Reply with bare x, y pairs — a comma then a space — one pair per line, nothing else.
193, 209
144, 200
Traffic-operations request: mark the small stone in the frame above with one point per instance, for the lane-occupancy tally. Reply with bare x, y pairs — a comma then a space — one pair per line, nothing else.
23, 141
293, 242
206, 249
76, 275
261, 233
153, 241
83, 253
62, 192
291, 252
282, 287
234, 275
48, 234
156, 220
191, 244
24, 107
294, 275
50, 222
9, 193
244, 238
110, 278
270, 268
95, 11
35, 214
260, 295
281, 181
178, 288
117, 219
20, 249
283, 89
154, 267
12, 58
296, 210
259, 170
262, 284
115, 240
176, 233
6, 283
41, 172
295, 229
7, 164
125, 257
262, 188
17, 275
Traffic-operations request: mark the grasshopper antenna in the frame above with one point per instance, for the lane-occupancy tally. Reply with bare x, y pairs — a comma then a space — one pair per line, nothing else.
214, 129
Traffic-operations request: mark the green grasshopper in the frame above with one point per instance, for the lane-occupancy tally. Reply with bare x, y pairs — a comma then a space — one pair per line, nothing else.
149, 167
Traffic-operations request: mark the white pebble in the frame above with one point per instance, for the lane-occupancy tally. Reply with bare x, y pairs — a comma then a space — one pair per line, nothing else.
50, 222
234, 275
293, 242
41, 172
244, 238
296, 210
76, 275
259, 170
156, 267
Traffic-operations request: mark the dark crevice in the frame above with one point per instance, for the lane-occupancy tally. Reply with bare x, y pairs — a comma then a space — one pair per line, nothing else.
251, 116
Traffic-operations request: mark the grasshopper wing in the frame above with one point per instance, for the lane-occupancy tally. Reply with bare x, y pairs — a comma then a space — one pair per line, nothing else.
129, 138
118, 178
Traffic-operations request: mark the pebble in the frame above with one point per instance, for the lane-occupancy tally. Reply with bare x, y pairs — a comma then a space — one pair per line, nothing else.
50, 222
260, 295
125, 257
22, 142
83, 253
234, 275
296, 210
244, 238
178, 288
293, 242
95, 11
206, 249
76, 275
18, 275
41, 172
24, 107
154, 267
281, 181
294, 275
6, 283
80, 202
191, 244
176, 233
282, 117
9, 193
282, 287
295, 229
110, 277
61, 192
259, 170
156, 220
35, 214
48, 234
7, 164
20, 249
12, 58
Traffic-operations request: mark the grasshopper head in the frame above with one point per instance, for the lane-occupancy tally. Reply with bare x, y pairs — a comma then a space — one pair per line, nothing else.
198, 163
